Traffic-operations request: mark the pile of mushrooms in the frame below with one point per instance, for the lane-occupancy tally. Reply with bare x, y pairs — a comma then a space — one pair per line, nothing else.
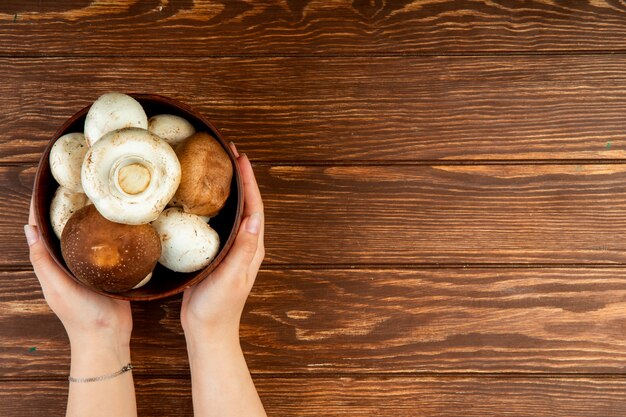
116, 182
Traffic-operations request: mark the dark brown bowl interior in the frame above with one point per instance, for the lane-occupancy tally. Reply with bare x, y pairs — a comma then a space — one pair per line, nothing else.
164, 282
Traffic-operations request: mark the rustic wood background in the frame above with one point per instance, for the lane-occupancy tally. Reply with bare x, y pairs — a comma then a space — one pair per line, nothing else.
445, 184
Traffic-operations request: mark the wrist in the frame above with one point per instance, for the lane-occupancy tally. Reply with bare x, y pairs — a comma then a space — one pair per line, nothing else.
212, 343
107, 337
98, 344
97, 356
200, 331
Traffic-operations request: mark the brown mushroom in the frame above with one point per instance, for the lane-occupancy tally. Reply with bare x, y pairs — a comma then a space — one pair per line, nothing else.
206, 173
108, 256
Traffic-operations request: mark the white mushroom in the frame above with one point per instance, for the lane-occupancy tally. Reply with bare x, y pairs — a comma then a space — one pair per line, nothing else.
171, 128
64, 204
110, 112
187, 242
66, 159
130, 175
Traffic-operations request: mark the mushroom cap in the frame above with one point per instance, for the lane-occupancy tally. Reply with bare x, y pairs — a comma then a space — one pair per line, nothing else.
188, 243
108, 256
66, 159
206, 175
130, 175
171, 128
63, 205
110, 112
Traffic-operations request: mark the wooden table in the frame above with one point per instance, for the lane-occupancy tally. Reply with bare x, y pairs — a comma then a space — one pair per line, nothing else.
445, 190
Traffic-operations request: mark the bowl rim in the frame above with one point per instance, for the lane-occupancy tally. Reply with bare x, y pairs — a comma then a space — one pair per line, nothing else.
201, 274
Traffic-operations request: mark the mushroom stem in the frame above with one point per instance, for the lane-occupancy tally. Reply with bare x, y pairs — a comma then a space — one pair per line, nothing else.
131, 175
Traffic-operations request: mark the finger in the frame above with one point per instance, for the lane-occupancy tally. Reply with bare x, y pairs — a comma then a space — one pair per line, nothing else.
31, 214
253, 202
260, 252
47, 271
234, 149
255, 266
43, 265
258, 257
244, 248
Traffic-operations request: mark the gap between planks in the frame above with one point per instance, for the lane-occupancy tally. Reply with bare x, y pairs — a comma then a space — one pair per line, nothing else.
434, 162
26, 267
464, 54
365, 375
405, 162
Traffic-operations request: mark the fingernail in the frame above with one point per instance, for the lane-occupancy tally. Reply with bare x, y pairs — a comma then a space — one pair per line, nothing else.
32, 236
253, 225
234, 148
247, 158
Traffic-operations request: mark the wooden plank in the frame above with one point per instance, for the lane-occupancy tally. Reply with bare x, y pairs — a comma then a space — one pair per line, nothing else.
347, 109
327, 322
80, 27
465, 214
384, 397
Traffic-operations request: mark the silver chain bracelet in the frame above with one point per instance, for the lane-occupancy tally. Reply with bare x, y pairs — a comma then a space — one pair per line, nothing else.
124, 369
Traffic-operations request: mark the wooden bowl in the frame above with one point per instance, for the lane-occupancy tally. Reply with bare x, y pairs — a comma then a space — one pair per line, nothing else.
164, 282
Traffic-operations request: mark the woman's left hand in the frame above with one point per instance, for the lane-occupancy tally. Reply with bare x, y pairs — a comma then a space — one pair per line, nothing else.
86, 315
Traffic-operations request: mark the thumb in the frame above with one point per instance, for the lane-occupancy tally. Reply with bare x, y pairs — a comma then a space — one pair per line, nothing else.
43, 264
245, 246
38, 253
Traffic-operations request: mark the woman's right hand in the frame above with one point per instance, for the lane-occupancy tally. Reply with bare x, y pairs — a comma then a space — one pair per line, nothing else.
210, 315
214, 306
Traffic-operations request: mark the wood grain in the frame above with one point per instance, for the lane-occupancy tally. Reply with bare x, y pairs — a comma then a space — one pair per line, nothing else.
417, 215
282, 27
347, 109
469, 214
366, 397
443, 186
347, 322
